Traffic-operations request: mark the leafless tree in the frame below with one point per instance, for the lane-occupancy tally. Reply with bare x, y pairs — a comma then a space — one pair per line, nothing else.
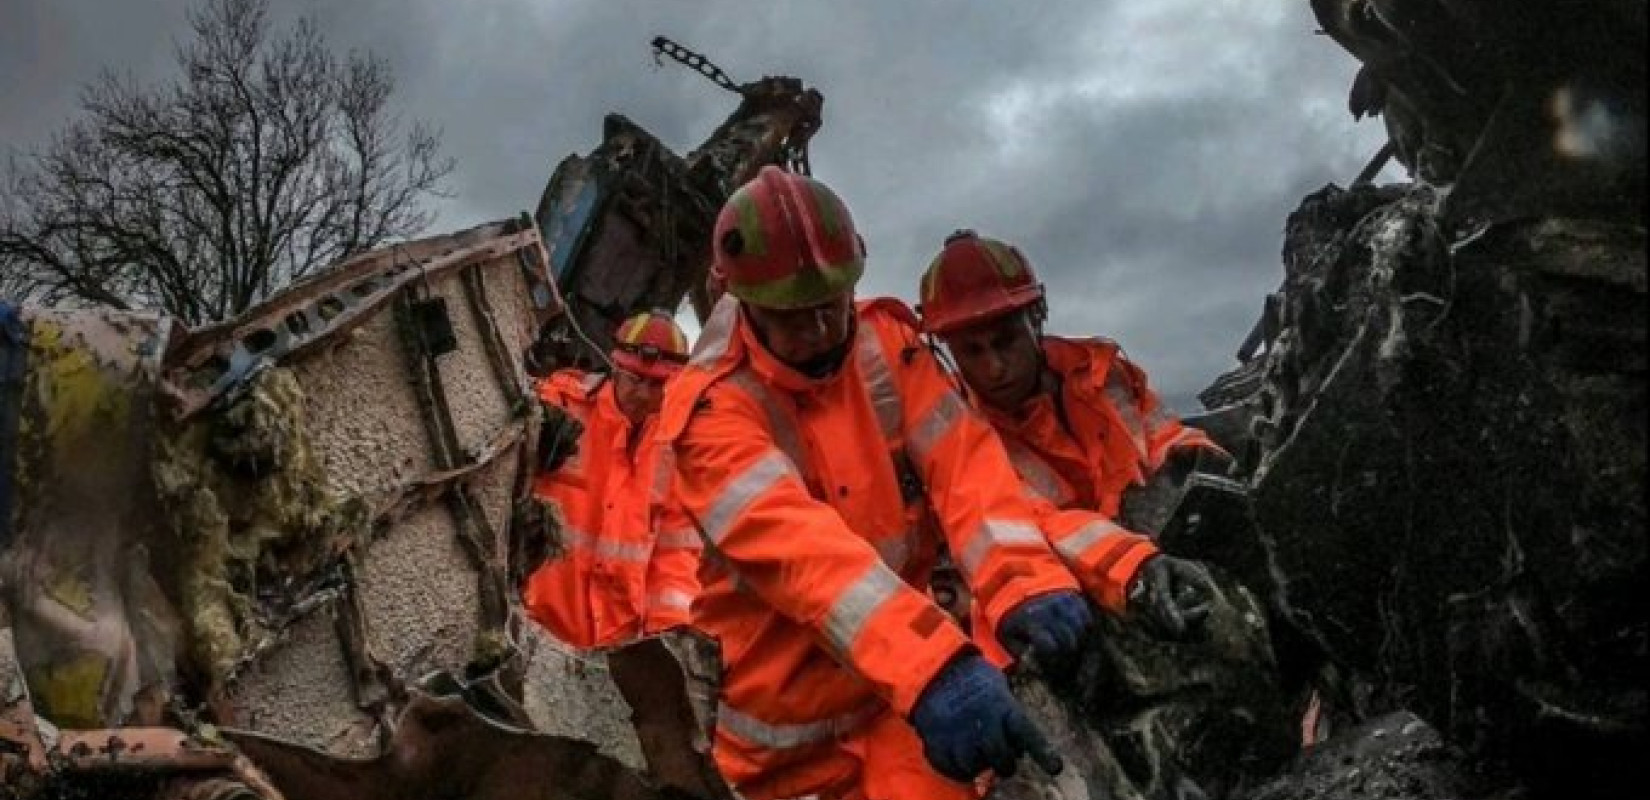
268, 158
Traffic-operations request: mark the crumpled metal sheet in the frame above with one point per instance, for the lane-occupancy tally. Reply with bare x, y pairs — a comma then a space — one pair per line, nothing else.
91, 562
92, 628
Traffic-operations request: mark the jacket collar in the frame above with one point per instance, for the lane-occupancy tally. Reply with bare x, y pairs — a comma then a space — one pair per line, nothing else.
1071, 360
782, 376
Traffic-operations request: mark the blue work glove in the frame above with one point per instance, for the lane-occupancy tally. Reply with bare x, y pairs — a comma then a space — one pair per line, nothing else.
1170, 596
969, 722
1050, 626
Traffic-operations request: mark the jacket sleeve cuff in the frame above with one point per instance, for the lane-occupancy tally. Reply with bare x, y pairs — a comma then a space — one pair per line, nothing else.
1016, 592
1110, 585
923, 670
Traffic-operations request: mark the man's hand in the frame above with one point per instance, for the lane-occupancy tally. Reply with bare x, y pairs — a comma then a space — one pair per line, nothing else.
969, 722
1050, 626
1170, 596
559, 436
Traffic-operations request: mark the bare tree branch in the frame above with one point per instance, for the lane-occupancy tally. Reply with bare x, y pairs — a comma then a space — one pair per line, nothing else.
267, 159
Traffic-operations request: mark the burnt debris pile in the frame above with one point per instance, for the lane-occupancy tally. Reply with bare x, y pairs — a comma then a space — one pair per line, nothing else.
1442, 425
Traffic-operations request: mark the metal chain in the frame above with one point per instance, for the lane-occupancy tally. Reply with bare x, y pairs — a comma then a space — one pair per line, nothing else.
693, 61
796, 158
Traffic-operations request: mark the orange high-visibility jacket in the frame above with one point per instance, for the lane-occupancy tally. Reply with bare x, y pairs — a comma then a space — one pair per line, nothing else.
815, 496
632, 556
1119, 433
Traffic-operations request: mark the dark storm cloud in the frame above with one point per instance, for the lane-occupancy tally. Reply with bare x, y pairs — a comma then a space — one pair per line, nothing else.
48, 49
1143, 154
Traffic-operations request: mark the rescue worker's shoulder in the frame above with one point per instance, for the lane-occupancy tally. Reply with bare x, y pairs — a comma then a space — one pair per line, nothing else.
1095, 351
888, 310
1099, 364
694, 389
893, 320
566, 386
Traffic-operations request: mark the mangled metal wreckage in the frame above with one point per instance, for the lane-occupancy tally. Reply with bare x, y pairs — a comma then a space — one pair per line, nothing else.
277, 557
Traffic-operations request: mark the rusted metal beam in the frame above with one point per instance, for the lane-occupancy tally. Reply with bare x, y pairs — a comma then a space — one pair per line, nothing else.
189, 767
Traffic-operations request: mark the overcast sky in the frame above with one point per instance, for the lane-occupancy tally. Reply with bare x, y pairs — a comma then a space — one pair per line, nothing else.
1143, 154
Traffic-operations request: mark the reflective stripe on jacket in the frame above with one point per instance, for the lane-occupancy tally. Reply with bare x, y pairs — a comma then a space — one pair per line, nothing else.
631, 554
814, 496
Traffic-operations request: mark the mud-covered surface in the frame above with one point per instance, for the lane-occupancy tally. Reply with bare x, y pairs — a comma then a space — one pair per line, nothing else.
1445, 438
441, 748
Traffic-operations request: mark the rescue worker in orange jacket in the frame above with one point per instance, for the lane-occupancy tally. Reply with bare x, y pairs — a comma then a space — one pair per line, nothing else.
1082, 427
1078, 419
632, 556
819, 446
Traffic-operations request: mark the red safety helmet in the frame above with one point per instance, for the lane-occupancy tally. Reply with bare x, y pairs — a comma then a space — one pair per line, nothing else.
786, 241
975, 279
650, 344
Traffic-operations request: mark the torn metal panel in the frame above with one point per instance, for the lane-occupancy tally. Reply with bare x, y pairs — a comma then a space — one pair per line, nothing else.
568, 693
436, 465
567, 213
670, 682
442, 748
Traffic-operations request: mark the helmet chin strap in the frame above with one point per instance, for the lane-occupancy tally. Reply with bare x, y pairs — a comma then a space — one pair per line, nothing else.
1033, 328
1033, 319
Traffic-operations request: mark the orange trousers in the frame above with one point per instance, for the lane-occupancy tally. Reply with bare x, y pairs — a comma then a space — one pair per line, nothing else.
881, 761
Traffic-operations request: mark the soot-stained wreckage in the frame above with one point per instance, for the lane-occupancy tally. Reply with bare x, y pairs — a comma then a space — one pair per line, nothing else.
277, 556
1441, 423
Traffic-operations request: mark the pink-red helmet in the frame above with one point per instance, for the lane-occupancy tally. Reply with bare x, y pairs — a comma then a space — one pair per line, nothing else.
973, 280
785, 240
